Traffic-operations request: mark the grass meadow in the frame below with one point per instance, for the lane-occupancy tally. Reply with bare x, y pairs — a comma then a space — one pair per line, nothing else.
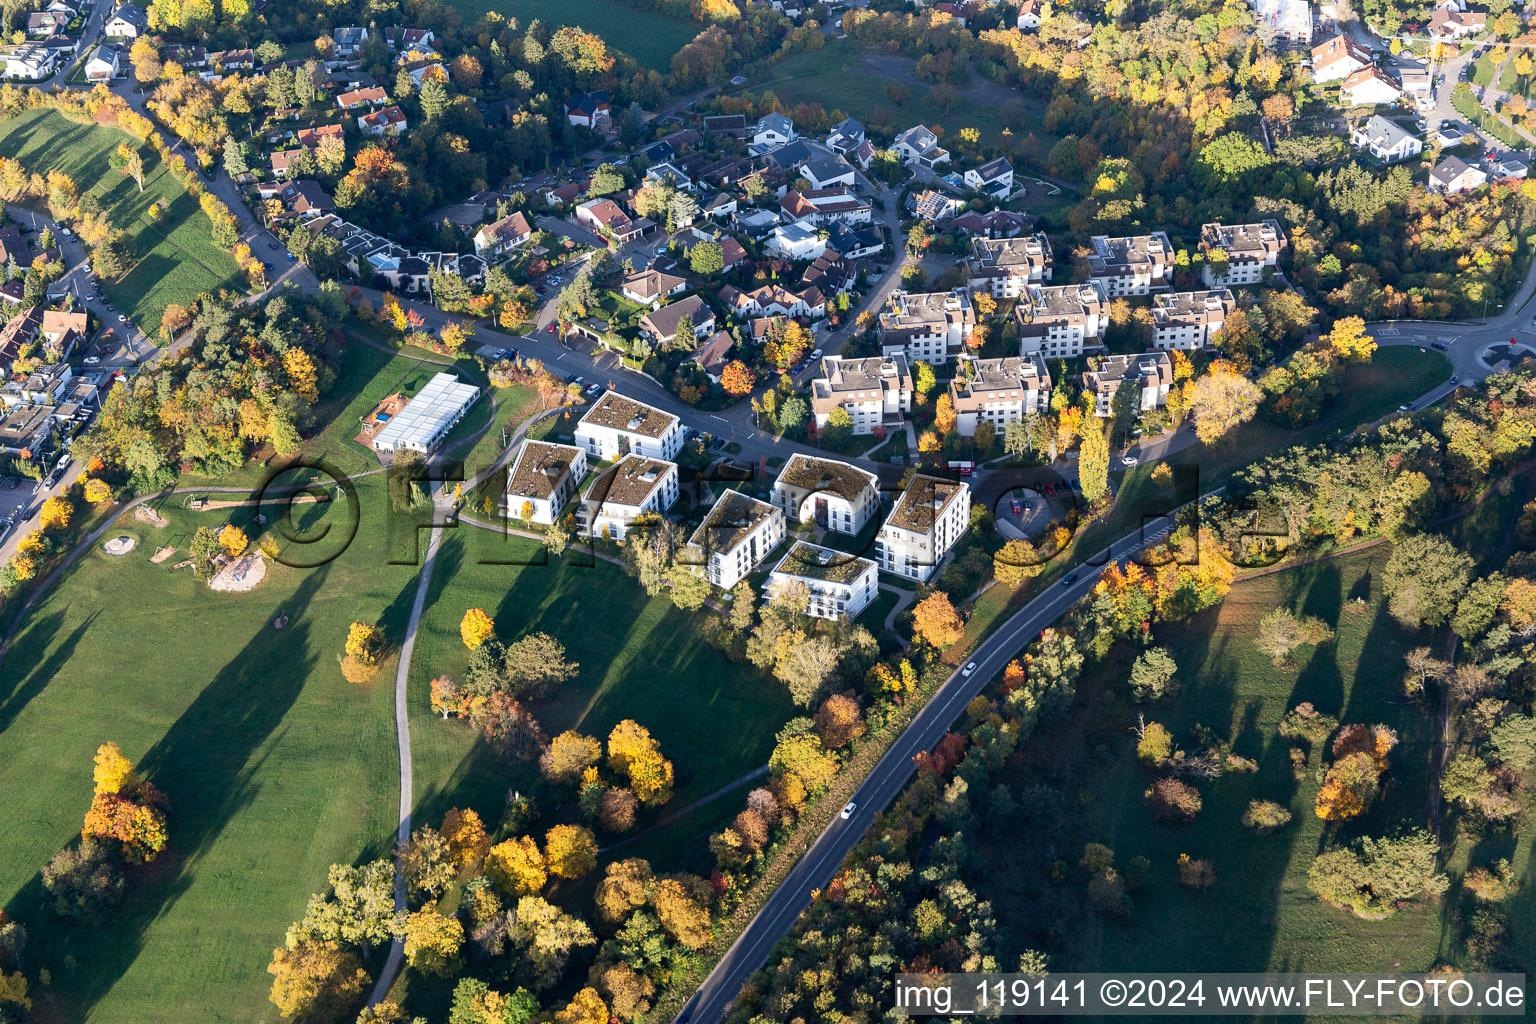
647, 36
175, 255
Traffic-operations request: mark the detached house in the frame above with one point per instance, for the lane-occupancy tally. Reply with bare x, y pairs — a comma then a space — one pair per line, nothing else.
660, 326
931, 515
105, 64
1338, 58
651, 287
390, 120
833, 495
1135, 265
1385, 140
1150, 372
617, 426
736, 536
637, 486
846, 135
771, 132
1453, 174
875, 392
589, 109
825, 206
1450, 22
1250, 248
503, 236
1189, 320
837, 585
929, 326
349, 39
999, 391
1006, 267
32, 61
994, 178
1369, 87
605, 218
372, 96
919, 147
543, 479
1030, 14
795, 242
127, 22
1060, 321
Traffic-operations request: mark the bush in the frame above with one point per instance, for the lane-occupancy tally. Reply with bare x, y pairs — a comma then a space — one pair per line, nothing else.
1264, 816
1173, 800
1196, 873
83, 882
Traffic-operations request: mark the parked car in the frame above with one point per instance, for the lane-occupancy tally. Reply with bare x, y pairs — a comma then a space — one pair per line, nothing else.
1128, 460
92, 360
815, 353
717, 443
1015, 507
273, 245
594, 389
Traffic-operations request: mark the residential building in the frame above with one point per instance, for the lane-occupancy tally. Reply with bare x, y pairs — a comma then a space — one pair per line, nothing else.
825, 206
62, 330
310, 138
638, 485
1338, 58
930, 516
651, 287
12, 248
1150, 372
605, 218
17, 333
736, 535
837, 585
795, 242
1031, 13
43, 386
932, 205
47, 24
349, 39
1448, 22
105, 64
398, 39
589, 109
1453, 174
733, 125
617, 426
771, 132
32, 61
999, 391
1250, 249
834, 495
306, 198
660, 326
1508, 166
927, 326
714, 355
855, 242
1006, 267
503, 236
390, 120
1135, 265
1291, 20
993, 178
919, 147
1369, 87
1386, 140
543, 479
846, 135
824, 172
127, 22
428, 417
775, 300
1189, 320
876, 392
26, 428
1061, 321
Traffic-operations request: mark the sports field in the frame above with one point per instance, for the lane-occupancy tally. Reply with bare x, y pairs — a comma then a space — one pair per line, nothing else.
176, 257
648, 37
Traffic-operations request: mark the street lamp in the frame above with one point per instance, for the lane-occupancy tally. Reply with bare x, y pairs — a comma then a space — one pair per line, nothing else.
1485, 308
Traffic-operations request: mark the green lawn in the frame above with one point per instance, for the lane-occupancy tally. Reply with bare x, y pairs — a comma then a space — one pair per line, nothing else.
1483, 71
1260, 906
838, 78
275, 766
176, 257
647, 36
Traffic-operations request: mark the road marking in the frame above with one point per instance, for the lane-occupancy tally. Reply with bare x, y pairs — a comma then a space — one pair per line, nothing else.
1390, 332
722, 419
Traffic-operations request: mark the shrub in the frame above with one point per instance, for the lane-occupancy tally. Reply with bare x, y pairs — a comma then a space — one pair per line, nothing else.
1264, 816
1173, 800
1196, 873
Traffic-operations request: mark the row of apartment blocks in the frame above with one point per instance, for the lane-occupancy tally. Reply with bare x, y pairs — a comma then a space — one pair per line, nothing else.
1133, 265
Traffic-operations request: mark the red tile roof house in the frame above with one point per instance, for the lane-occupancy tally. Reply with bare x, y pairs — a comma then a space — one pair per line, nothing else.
503, 236
372, 96
382, 122
605, 216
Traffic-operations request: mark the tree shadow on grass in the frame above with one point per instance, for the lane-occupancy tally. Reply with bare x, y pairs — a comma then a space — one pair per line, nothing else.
206, 763
36, 681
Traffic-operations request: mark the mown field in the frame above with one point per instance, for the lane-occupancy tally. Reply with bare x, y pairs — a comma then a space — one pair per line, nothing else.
647, 36
176, 257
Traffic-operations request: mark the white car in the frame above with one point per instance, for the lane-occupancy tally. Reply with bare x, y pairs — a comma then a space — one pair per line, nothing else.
969, 668
815, 353
92, 360
122, 318
1129, 460
847, 811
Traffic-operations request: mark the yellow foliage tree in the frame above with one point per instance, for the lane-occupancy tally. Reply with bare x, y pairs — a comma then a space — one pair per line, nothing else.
365, 643
233, 540
570, 851
97, 492
114, 772
586, 1007
1349, 340
300, 369
465, 835
517, 867
454, 336
432, 942
936, 621
476, 628
55, 513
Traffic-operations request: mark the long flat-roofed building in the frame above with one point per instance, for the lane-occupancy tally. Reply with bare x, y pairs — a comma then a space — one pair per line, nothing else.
622, 493
737, 534
1151, 373
428, 417
832, 494
999, 391
1060, 321
543, 478
930, 516
876, 392
1133, 265
927, 326
1189, 320
1249, 247
837, 585
1005, 267
617, 426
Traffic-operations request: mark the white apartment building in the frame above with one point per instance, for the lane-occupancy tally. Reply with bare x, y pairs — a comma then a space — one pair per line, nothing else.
1134, 265
927, 326
834, 495
1250, 248
1006, 267
736, 535
876, 392
544, 477
837, 585
1189, 320
931, 515
1061, 321
617, 426
1150, 372
999, 391
620, 495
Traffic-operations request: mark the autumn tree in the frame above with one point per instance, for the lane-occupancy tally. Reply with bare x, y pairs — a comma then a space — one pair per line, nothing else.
570, 851
1281, 632
233, 540
736, 378
839, 721
1093, 462
1265, 816
364, 651
616, 812
1016, 561
316, 981
432, 942
936, 622
568, 756
1223, 399
427, 862
1425, 579
465, 836
125, 808
55, 513
682, 911
97, 492
517, 866
476, 627
1349, 340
